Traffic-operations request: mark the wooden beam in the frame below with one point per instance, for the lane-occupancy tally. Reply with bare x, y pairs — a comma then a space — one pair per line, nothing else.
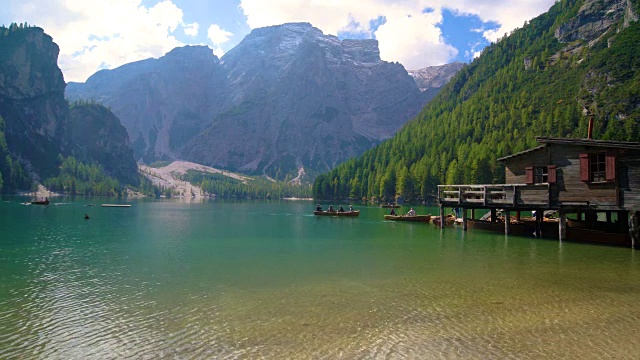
539, 219
441, 217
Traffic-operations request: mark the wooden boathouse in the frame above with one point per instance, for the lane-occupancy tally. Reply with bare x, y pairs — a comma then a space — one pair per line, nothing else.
592, 185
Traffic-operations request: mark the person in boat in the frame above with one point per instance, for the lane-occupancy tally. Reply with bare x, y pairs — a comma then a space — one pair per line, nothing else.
411, 212
86, 216
351, 208
318, 207
340, 209
393, 212
331, 209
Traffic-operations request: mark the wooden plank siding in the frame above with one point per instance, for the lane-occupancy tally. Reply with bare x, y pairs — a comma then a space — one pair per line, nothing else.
515, 168
570, 187
629, 180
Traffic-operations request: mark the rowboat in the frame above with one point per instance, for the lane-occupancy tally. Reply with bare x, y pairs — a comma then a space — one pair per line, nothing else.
448, 220
337, 213
40, 202
115, 205
415, 218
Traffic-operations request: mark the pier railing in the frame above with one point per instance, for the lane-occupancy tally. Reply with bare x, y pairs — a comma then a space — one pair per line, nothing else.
487, 195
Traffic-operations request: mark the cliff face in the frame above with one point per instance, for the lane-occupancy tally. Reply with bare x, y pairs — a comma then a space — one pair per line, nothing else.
38, 122
286, 98
32, 97
595, 18
98, 136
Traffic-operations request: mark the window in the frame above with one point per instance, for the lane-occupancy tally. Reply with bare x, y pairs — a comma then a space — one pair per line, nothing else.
540, 175
598, 167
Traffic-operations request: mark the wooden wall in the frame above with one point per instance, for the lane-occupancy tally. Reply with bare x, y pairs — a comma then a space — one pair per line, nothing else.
569, 190
629, 165
515, 167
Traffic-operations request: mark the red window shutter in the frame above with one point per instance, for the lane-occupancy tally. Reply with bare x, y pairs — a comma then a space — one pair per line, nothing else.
551, 178
528, 175
610, 166
584, 167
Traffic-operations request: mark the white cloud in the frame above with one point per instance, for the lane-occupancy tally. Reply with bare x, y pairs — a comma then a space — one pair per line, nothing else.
93, 34
410, 35
217, 35
218, 52
191, 29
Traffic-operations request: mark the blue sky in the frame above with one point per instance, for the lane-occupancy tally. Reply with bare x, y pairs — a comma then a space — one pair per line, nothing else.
95, 34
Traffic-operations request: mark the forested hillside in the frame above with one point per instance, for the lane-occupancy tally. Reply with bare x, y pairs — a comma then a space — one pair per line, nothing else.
578, 60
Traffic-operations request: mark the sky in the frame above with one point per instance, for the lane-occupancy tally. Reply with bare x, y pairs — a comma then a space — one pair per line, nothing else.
104, 34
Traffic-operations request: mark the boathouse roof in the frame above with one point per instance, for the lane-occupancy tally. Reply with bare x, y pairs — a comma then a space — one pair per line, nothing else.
576, 142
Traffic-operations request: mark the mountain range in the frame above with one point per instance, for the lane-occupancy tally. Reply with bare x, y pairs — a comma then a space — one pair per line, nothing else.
287, 102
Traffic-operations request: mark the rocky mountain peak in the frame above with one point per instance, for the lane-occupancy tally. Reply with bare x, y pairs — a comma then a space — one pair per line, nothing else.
191, 53
435, 77
22, 73
594, 19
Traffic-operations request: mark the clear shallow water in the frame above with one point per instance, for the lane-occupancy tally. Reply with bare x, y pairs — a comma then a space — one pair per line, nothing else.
255, 279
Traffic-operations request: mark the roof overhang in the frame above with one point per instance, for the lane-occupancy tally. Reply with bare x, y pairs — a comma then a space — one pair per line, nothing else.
590, 142
522, 153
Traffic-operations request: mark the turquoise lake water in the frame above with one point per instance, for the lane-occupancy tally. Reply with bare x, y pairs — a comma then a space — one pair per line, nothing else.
219, 279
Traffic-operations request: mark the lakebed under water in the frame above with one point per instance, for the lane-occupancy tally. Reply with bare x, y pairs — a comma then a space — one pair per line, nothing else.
266, 279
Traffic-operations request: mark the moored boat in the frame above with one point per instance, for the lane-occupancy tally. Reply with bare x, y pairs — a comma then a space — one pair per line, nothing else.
115, 205
448, 220
40, 202
415, 218
337, 213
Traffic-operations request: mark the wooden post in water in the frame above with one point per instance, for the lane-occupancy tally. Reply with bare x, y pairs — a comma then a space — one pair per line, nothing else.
562, 226
539, 220
494, 215
441, 217
507, 222
464, 218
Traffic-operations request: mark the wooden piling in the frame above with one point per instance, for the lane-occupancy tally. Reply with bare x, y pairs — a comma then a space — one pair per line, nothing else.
562, 226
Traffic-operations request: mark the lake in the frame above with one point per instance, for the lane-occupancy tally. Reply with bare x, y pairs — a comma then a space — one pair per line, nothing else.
266, 279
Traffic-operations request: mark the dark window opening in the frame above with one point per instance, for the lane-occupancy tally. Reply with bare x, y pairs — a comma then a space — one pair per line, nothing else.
597, 168
540, 175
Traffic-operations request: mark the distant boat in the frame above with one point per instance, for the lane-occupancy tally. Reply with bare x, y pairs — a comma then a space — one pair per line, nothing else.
415, 218
40, 202
337, 213
115, 205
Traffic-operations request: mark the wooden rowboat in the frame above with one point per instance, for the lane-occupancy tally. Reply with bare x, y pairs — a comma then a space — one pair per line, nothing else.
415, 218
448, 220
337, 213
40, 202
